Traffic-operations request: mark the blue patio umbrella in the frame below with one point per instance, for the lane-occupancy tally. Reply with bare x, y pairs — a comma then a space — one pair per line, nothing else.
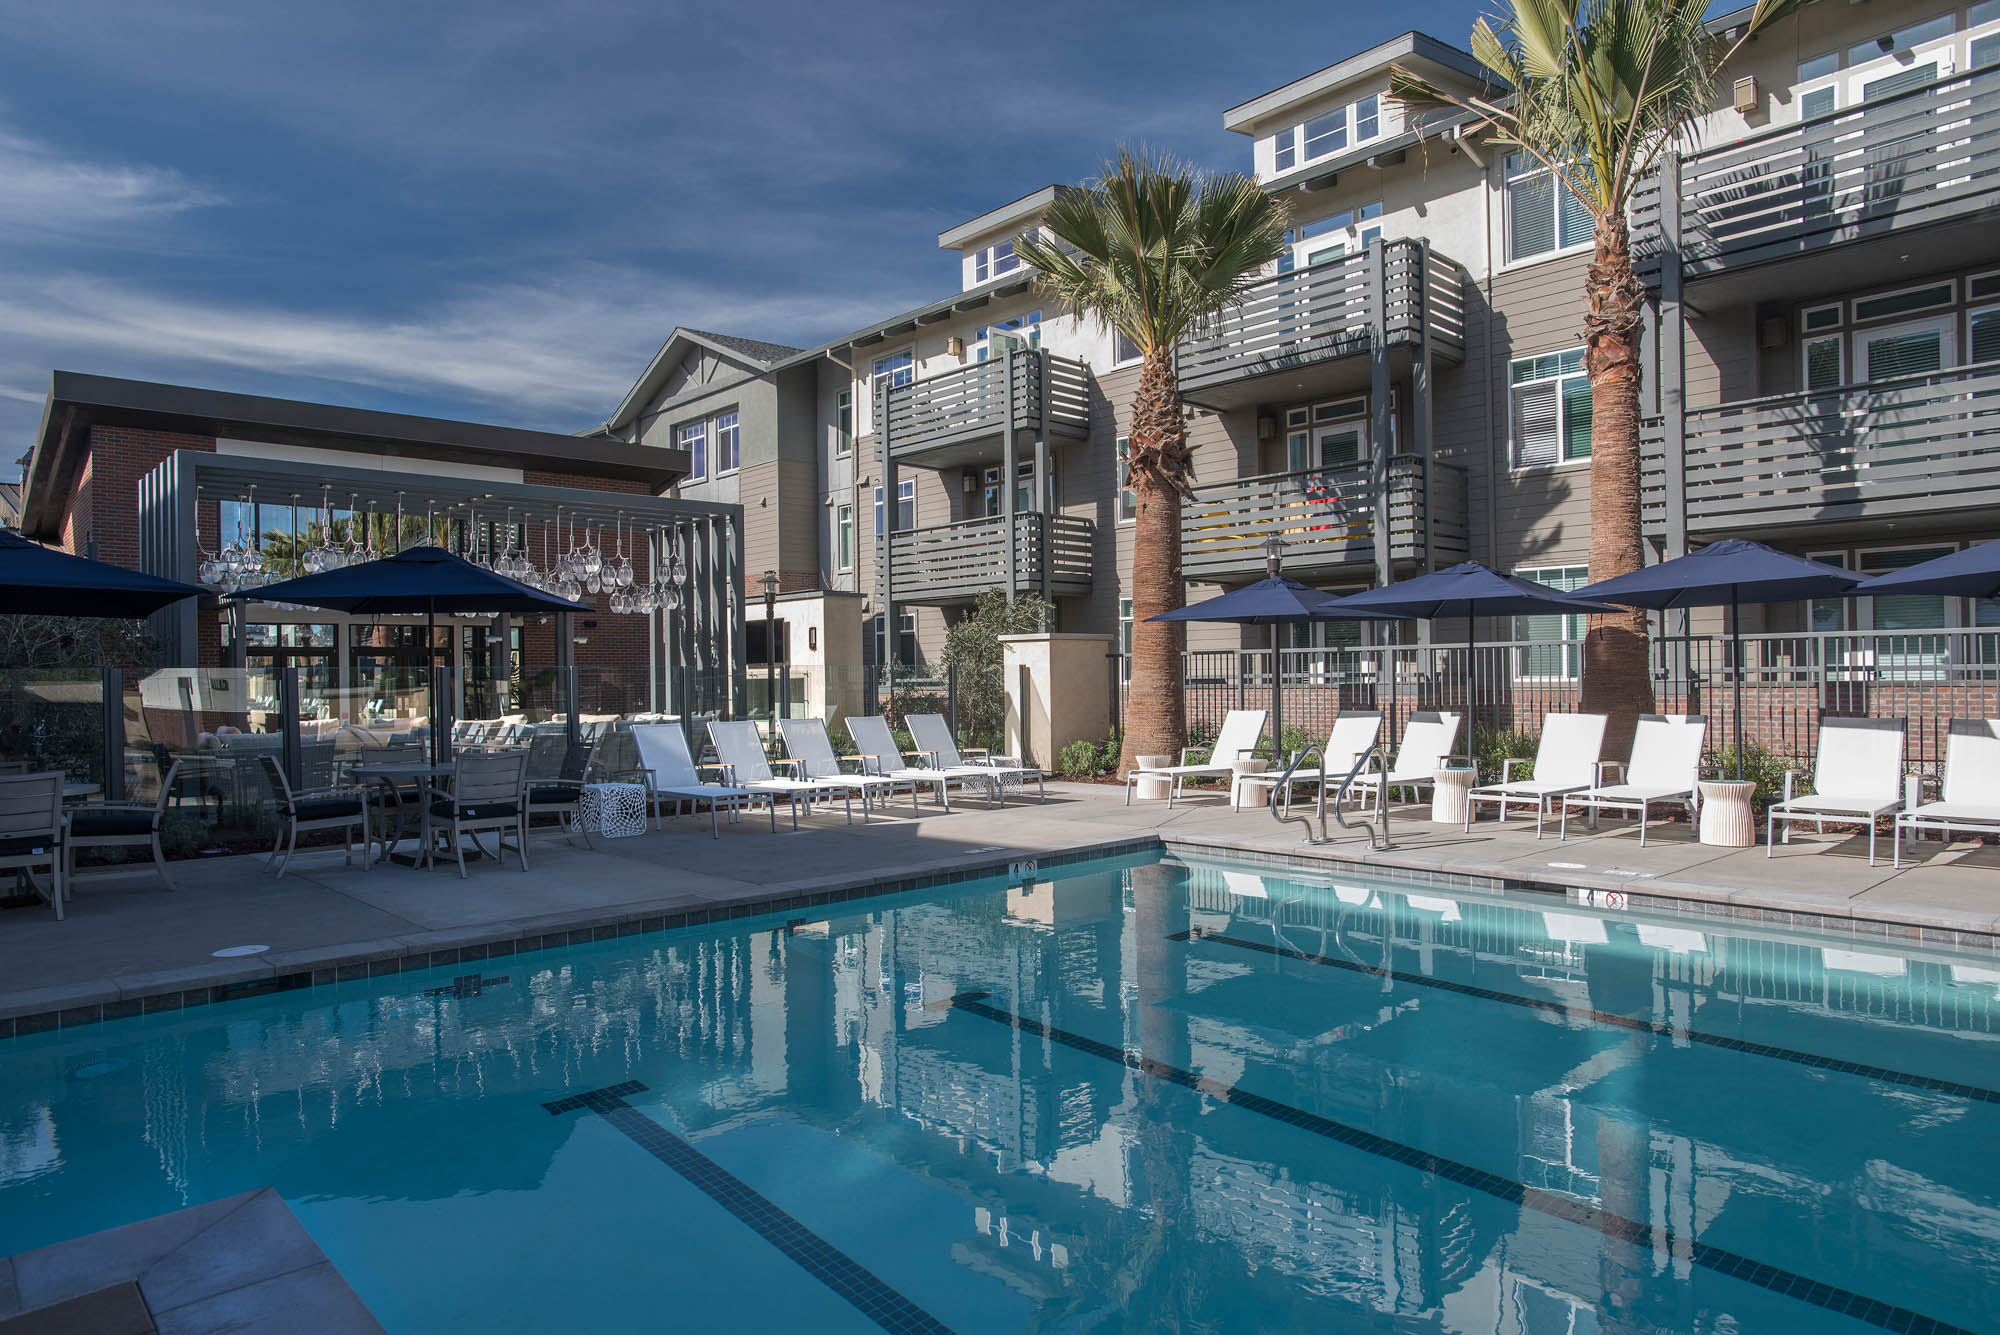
1274, 601
1972, 573
1727, 573
39, 581
1470, 590
418, 579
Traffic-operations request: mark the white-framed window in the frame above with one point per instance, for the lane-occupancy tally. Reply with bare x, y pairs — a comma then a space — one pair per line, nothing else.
843, 424
1128, 500
693, 437
1123, 349
1551, 648
1551, 409
1542, 216
906, 507
906, 639
1911, 347
994, 260
1983, 284
728, 442
1818, 85
1028, 327
1125, 638
1830, 614
1328, 133
1883, 305
1326, 239
1982, 334
1329, 435
843, 537
1984, 49
896, 369
1824, 361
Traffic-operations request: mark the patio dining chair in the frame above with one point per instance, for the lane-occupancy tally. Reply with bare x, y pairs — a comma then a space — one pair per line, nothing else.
563, 795
1236, 740
309, 810
1565, 762
488, 792
666, 767
121, 825
31, 829
1968, 794
1665, 767
1857, 776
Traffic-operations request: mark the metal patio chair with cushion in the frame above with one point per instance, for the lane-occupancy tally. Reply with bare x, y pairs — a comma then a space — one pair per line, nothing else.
563, 794
812, 751
666, 767
1665, 766
1857, 776
933, 738
1237, 740
1427, 742
121, 825
489, 791
1354, 732
1565, 762
309, 810
740, 748
31, 829
1969, 793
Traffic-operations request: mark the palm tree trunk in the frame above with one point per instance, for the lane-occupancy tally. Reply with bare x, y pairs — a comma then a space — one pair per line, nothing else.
1615, 668
1156, 705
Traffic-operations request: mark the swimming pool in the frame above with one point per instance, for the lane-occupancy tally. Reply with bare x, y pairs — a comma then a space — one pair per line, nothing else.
1136, 1094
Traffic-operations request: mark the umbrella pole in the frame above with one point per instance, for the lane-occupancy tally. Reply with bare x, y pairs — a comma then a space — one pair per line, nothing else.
1736, 652
430, 662
1472, 685
1277, 700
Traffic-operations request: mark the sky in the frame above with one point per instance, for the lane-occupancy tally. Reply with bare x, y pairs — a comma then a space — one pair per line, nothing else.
498, 211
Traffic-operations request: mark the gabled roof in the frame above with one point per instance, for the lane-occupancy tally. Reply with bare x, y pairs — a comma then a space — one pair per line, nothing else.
751, 353
1016, 211
1414, 48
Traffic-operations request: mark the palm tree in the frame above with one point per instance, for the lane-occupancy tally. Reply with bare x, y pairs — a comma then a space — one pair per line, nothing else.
1151, 250
1598, 93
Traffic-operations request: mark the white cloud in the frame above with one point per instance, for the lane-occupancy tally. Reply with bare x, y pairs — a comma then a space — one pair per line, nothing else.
51, 195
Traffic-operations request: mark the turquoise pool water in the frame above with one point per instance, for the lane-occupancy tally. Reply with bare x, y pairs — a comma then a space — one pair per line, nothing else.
1133, 1095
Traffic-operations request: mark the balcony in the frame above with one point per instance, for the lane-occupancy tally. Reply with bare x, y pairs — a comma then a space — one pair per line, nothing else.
954, 563
957, 418
1311, 317
1327, 519
1924, 156
1911, 446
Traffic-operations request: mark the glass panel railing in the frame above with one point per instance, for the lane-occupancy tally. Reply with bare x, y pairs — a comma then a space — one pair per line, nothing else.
53, 719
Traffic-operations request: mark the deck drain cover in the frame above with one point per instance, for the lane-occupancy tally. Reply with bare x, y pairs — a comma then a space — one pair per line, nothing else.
231, 952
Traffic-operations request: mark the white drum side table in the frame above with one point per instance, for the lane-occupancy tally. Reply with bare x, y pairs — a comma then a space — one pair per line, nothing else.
1450, 794
1245, 788
614, 810
1152, 789
1726, 818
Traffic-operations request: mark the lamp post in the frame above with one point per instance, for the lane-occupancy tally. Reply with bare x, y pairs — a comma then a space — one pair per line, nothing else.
769, 583
1274, 560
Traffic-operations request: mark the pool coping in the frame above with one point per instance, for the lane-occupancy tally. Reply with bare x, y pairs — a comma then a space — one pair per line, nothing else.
96, 1001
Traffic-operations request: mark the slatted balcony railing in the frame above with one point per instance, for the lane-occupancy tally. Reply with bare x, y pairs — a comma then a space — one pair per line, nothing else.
1326, 517
1326, 312
1912, 445
1924, 155
953, 563
971, 402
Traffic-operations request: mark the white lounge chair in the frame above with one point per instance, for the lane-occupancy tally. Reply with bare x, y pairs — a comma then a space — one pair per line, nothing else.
812, 750
934, 741
1565, 762
1428, 739
1857, 776
1353, 733
740, 748
1241, 729
667, 769
1969, 795
878, 754
1665, 765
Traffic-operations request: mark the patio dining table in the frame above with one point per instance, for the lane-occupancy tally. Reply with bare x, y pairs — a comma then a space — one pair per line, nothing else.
393, 776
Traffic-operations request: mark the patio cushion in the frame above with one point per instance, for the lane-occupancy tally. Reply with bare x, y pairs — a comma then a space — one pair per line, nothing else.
326, 808
20, 848
554, 794
102, 824
481, 811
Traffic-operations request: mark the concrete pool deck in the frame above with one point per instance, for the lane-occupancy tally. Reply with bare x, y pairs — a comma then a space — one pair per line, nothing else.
129, 947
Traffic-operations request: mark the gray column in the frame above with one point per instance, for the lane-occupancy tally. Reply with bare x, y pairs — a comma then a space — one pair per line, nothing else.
1009, 462
1378, 404
731, 535
1044, 503
885, 651
1672, 345
1420, 403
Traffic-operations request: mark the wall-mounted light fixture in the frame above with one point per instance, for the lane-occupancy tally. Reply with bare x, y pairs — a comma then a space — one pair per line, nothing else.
955, 346
1746, 94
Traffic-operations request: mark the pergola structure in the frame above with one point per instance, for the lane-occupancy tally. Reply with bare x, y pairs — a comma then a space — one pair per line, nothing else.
696, 651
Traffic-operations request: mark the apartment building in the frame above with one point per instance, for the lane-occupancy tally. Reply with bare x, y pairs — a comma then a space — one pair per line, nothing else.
1405, 389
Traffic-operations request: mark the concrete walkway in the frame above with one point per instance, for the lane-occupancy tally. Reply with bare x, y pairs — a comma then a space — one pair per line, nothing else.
128, 946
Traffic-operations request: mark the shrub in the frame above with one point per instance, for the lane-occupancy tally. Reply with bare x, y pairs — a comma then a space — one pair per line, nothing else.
182, 833
1761, 767
1492, 746
1079, 760
972, 645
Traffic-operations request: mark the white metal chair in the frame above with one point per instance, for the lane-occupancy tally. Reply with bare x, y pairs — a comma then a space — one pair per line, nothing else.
812, 750
1236, 740
312, 809
120, 825
740, 748
877, 753
31, 829
666, 767
933, 739
1565, 762
489, 791
1857, 776
1427, 742
1665, 765
1354, 731
1969, 793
